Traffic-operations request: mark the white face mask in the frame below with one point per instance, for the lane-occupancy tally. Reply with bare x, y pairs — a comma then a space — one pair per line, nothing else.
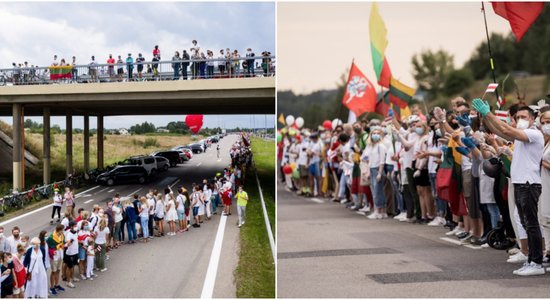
522, 124
546, 129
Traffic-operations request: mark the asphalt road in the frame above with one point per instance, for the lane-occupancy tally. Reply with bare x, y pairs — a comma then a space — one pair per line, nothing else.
166, 267
325, 250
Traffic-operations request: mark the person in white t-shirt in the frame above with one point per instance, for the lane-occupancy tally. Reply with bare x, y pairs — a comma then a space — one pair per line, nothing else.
101, 236
159, 215
375, 155
314, 167
144, 218
71, 253
525, 176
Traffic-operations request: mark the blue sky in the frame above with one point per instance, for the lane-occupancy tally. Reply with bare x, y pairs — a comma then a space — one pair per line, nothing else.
35, 31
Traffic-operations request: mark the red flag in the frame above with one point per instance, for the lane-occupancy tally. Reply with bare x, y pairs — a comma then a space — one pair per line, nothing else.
385, 75
520, 15
383, 105
360, 96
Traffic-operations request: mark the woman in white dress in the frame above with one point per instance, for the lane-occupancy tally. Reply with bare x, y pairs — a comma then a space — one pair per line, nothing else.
36, 264
171, 214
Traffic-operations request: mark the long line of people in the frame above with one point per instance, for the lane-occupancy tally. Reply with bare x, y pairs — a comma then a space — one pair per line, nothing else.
469, 170
82, 239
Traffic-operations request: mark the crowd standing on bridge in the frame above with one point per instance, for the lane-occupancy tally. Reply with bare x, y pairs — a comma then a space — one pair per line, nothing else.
486, 179
193, 63
83, 239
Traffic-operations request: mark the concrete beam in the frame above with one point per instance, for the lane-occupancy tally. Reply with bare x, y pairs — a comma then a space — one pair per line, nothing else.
86, 143
100, 141
46, 147
17, 139
69, 143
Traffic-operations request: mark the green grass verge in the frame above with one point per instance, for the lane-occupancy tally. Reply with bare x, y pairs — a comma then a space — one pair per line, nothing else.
255, 274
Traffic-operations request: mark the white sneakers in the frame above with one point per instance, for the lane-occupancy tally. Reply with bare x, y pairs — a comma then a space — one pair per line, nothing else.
400, 216
365, 209
517, 258
343, 201
530, 269
455, 231
437, 221
377, 216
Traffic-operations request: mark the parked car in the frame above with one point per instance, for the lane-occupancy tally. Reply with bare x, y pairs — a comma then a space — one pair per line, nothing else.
188, 153
172, 155
123, 174
197, 148
162, 163
146, 161
214, 139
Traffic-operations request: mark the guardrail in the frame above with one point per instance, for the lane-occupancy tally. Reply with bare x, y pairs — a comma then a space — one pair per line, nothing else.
261, 66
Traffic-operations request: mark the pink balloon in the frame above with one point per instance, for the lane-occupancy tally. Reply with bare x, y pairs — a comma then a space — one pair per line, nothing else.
194, 122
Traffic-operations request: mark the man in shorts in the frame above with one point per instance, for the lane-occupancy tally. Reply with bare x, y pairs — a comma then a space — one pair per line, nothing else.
302, 163
70, 258
55, 242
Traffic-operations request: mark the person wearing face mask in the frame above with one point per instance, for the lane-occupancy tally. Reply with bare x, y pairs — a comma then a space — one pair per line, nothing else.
37, 265
375, 155
525, 175
11, 281
71, 253
101, 236
545, 179
360, 139
421, 173
176, 65
83, 235
13, 240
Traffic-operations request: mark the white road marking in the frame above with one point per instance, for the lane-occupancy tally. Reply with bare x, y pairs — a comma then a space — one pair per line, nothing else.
43, 208
473, 247
111, 190
174, 183
316, 200
103, 190
450, 240
132, 193
88, 201
266, 219
210, 279
199, 164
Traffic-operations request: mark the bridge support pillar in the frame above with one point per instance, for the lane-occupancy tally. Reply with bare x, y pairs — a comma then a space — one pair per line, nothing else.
86, 143
46, 146
69, 143
17, 112
100, 141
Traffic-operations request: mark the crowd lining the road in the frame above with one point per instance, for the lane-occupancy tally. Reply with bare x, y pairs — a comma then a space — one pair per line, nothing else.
190, 64
82, 239
464, 169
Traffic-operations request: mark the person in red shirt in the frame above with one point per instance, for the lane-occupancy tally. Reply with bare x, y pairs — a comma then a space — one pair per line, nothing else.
156, 52
111, 62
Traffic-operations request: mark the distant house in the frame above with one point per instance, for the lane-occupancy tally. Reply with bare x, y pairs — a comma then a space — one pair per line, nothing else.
123, 131
162, 130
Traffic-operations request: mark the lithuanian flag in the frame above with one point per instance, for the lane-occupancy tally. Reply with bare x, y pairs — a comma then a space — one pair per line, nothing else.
400, 94
57, 72
449, 180
378, 44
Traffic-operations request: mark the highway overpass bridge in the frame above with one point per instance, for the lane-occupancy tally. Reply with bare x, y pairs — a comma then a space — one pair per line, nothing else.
209, 96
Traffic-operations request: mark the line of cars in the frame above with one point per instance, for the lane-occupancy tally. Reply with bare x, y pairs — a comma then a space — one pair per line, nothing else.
144, 167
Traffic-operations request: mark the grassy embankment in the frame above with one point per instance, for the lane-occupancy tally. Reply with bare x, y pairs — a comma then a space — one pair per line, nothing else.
255, 274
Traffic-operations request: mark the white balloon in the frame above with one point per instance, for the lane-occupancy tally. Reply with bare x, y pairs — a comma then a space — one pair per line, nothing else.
336, 122
289, 120
299, 122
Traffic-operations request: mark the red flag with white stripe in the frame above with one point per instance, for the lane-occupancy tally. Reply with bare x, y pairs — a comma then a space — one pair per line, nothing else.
501, 115
491, 88
500, 101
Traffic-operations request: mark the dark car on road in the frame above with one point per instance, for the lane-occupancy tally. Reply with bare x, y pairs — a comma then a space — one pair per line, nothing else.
172, 155
123, 174
197, 148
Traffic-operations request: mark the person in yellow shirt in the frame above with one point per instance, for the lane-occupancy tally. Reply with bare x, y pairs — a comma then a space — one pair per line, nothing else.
242, 200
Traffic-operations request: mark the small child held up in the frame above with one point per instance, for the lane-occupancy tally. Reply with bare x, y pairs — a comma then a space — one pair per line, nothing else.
90, 259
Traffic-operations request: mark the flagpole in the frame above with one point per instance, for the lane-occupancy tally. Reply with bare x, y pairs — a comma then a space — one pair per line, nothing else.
489, 47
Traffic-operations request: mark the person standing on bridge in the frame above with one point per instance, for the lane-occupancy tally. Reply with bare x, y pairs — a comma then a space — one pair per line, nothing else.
210, 64
92, 68
139, 61
130, 66
156, 52
221, 63
176, 64
185, 64
111, 67
74, 71
120, 68
250, 62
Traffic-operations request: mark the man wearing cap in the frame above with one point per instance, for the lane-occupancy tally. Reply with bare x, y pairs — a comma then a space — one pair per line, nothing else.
57, 203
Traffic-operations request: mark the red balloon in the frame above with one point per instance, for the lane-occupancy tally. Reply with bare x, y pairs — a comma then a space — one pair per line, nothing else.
194, 122
287, 169
327, 124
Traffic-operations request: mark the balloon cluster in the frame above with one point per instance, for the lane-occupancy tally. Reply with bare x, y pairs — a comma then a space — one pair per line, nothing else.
291, 169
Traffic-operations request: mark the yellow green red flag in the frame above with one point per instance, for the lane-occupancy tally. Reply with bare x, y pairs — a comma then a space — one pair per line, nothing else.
378, 44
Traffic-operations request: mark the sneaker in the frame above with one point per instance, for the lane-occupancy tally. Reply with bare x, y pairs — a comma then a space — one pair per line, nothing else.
513, 251
477, 241
400, 216
455, 231
365, 209
462, 235
383, 216
343, 201
59, 288
239, 225
517, 258
70, 284
91, 279
466, 238
438, 221
76, 280
374, 216
354, 207
53, 292
83, 277
103, 270
531, 270
525, 265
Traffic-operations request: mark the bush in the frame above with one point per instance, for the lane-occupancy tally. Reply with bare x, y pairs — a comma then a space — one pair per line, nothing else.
149, 142
457, 81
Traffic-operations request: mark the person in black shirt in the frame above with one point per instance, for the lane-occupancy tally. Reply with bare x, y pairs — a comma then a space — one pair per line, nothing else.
250, 63
185, 64
8, 283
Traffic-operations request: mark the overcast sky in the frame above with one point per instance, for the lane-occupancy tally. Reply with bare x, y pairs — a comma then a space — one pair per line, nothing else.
35, 31
317, 41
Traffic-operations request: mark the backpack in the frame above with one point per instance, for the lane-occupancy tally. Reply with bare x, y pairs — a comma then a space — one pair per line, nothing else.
96, 221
